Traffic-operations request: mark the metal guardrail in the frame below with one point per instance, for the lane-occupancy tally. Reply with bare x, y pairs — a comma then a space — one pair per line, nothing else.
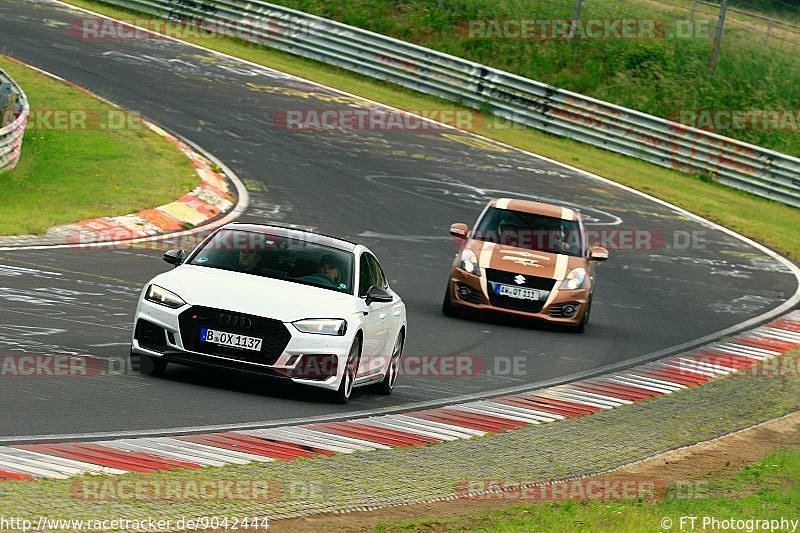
14, 111
662, 142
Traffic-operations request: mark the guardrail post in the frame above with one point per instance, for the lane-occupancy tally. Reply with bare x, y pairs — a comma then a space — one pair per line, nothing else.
723, 11
576, 15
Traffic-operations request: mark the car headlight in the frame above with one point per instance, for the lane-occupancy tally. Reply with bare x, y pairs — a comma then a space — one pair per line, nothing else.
322, 326
161, 296
469, 262
574, 279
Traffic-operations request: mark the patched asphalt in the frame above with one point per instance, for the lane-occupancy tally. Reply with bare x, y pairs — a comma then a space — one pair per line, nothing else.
396, 191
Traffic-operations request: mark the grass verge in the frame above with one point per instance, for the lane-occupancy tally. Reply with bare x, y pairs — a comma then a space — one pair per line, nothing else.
767, 490
381, 478
82, 158
664, 75
770, 223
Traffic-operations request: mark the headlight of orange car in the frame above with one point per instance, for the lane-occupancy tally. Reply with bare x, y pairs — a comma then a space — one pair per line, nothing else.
469, 262
574, 279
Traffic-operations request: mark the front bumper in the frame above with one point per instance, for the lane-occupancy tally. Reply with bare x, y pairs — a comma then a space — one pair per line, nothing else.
551, 312
165, 341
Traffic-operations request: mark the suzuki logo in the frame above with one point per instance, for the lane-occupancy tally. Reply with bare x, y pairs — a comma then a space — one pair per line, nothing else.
235, 321
520, 279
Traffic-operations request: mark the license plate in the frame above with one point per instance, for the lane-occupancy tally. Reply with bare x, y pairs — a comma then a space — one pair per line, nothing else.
231, 340
520, 293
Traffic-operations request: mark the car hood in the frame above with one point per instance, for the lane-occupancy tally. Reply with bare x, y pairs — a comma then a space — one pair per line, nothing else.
255, 295
523, 261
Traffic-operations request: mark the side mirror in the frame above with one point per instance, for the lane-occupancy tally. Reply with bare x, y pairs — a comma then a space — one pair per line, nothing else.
174, 257
459, 230
598, 253
376, 294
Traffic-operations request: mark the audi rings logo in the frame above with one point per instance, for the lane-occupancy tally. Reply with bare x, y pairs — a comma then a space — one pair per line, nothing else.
235, 321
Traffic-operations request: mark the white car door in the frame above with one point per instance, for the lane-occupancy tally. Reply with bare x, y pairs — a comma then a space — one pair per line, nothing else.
372, 324
386, 318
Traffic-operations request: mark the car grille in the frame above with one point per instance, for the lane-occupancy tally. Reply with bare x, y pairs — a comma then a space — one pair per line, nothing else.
508, 278
274, 334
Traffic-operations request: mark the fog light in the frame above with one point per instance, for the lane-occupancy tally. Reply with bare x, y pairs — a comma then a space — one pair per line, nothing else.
568, 310
464, 293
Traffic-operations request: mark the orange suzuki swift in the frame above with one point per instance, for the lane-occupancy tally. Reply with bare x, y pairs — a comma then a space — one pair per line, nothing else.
526, 259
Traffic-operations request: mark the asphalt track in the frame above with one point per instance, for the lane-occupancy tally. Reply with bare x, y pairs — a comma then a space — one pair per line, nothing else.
396, 191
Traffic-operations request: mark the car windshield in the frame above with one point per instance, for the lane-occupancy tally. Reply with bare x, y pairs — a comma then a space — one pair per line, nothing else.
530, 231
272, 256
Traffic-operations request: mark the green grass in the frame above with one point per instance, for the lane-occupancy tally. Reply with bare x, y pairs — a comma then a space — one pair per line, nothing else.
770, 223
657, 76
766, 490
66, 175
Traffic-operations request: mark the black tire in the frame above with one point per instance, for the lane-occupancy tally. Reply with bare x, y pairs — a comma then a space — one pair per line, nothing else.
386, 386
151, 366
448, 309
345, 390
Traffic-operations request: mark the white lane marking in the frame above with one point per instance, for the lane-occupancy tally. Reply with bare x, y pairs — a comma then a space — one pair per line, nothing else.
59, 461
223, 454
397, 426
779, 334
32, 468
581, 400
29, 460
496, 413
637, 384
470, 432
755, 357
750, 349
654, 381
607, 397
533, 411
642, 380
107, 344
515, 409
134, 445
413, 425
341, 439
276, 434
711, 367
694, 369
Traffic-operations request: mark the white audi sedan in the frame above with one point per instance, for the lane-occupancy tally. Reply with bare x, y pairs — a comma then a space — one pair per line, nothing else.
291, 304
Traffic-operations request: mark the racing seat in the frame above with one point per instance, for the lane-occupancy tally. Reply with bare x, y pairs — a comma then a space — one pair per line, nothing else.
304, 267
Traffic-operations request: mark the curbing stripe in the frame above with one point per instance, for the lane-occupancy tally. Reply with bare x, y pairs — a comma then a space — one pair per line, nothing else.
416, 428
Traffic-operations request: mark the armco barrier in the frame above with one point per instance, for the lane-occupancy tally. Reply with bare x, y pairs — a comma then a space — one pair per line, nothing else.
662, 142
14, 112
